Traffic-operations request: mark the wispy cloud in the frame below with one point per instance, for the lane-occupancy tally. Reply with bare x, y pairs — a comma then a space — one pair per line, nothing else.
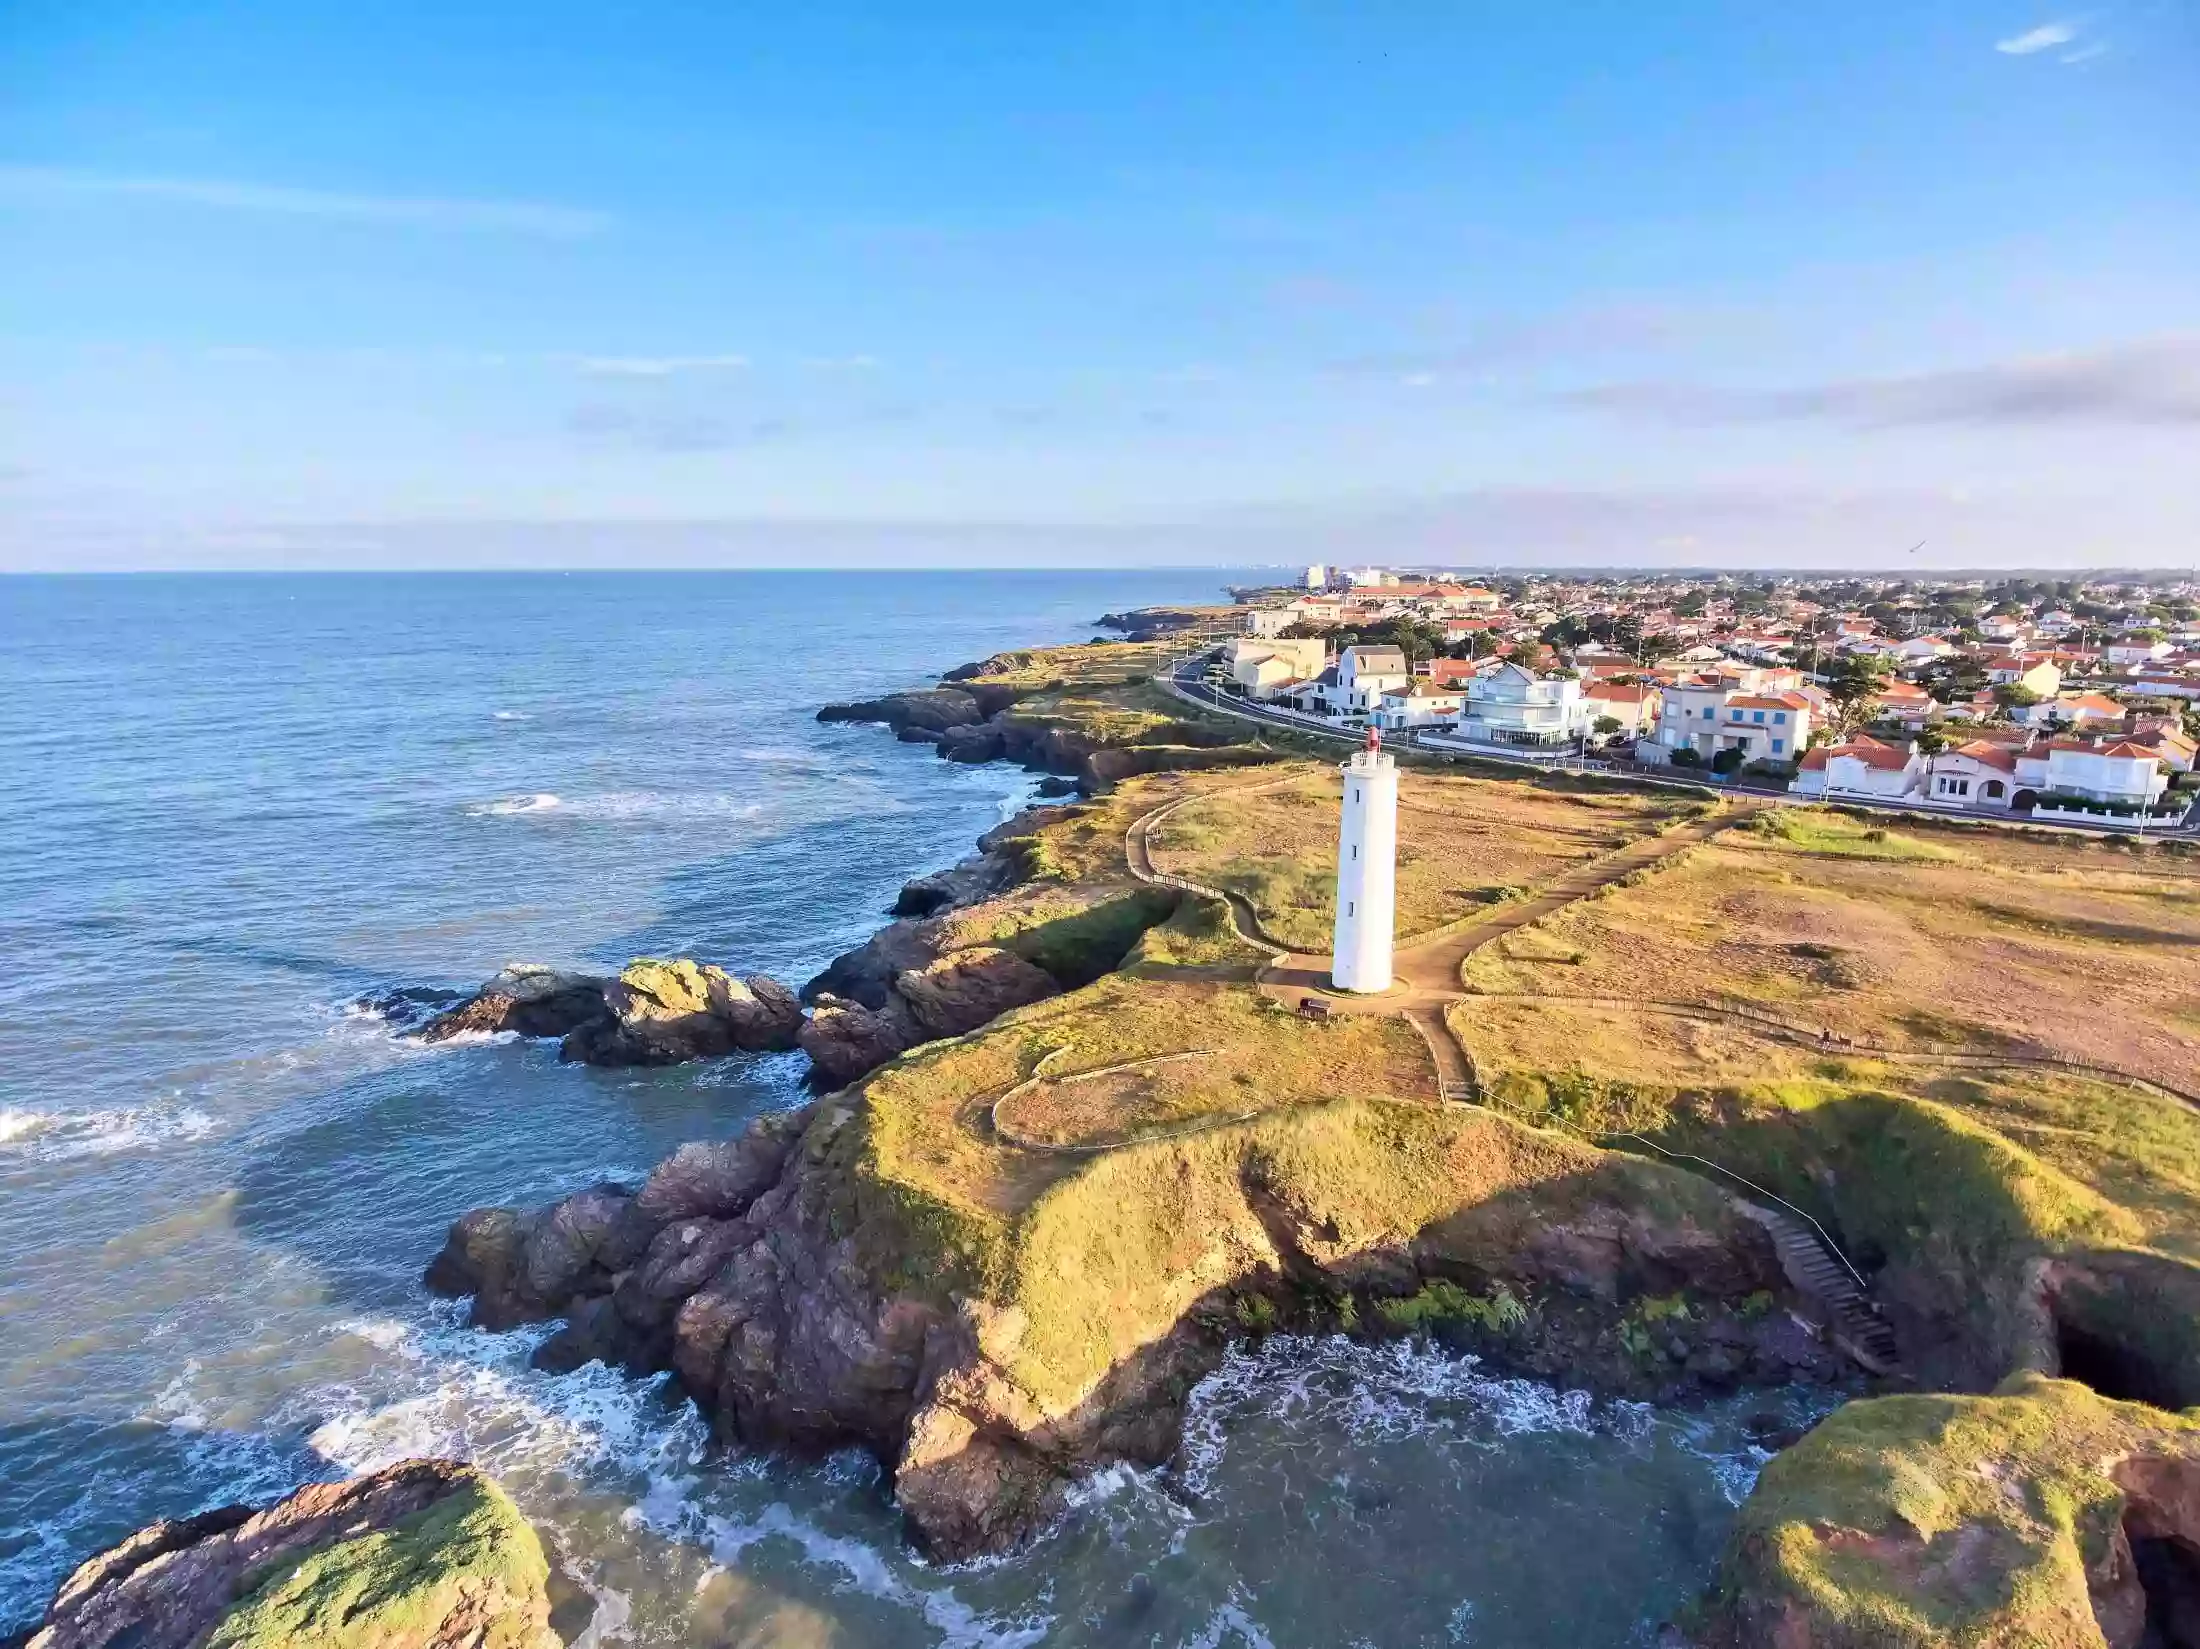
658, 366
227, 195
2150, 381
2044, 38
2086, 53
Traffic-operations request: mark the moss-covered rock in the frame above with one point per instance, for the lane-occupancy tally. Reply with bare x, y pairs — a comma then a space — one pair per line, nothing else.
428, 1554
2042, 1515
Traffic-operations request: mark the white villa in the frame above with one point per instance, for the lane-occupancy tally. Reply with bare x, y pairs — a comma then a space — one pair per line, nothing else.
2101, 780
1364, 675
1420, 704
1512, 705
1870, 769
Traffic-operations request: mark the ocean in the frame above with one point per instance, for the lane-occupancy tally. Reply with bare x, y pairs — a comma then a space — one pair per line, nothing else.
230, 806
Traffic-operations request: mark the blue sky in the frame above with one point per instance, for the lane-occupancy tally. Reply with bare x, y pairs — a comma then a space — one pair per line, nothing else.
295, 284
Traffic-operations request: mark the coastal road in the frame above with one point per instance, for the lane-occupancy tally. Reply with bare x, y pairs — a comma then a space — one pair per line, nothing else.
1186, 680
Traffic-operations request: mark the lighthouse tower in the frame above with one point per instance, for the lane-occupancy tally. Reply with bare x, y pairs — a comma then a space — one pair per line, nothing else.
1367, 870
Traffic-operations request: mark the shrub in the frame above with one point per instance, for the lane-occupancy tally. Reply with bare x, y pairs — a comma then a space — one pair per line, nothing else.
1443, 1304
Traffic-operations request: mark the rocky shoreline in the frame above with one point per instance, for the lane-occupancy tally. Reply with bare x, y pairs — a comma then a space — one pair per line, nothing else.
914, 981
744, 1267
426, 1554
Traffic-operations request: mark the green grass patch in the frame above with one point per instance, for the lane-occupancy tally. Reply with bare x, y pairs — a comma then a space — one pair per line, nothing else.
1818, 830
398, 1585
1853, 1535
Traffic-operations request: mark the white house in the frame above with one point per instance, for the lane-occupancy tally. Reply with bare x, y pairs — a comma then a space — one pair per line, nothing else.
2069, 710
1267, 666
2078, 771
1512, 705
1364, 675
1921, 649
1863, 767
1421, 704
1981, 774
2129, 650
1907, 703
1634, 705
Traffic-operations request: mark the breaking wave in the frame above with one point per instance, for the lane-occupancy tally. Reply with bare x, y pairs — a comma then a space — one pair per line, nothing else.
619, 804
473, 1396
58, 1136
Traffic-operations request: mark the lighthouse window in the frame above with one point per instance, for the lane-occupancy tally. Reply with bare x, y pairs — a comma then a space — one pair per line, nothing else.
1348, 907
1355, 850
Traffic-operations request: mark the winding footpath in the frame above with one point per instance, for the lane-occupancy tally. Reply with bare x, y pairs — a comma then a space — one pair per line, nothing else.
1429, 979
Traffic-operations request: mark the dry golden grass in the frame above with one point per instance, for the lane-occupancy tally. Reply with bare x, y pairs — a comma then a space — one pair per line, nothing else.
2005, 945
2138, 1150
1095, 664
1464, 843
1268, 1062
929, 1112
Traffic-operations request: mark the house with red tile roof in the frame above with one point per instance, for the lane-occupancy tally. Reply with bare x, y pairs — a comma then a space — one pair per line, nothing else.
1865, 768
1634, 705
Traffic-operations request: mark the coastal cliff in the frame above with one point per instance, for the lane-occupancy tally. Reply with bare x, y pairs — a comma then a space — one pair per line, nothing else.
1091, 714
810, 1296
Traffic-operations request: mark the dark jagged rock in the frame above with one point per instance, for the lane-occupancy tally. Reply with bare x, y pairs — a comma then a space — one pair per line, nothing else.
967, 883
526, 998
428, 1554
933, 708
976, 744
407, 1005
866, 974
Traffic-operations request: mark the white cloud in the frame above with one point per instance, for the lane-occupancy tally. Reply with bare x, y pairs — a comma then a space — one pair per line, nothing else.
2084, 54
226, 195
2038, 40
659, 366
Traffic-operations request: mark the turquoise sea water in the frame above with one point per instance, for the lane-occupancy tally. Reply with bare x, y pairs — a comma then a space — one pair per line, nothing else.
230, 806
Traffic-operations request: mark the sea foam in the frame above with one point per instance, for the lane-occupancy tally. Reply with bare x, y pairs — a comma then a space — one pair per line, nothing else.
59, 1136
619, 804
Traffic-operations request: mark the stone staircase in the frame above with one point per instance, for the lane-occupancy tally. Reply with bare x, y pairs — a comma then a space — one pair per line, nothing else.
1813, 1266
1853, 1318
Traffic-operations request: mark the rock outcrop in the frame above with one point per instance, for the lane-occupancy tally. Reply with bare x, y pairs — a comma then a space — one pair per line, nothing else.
947, 996
428, 1554
526, 998
661, 1013
803, 1301
928, 709
2041, 1515
652, 1013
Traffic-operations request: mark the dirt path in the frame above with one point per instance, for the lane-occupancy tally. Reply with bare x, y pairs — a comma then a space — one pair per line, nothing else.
1426, 970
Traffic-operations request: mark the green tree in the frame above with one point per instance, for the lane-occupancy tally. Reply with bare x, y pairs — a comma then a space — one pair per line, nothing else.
1853, 680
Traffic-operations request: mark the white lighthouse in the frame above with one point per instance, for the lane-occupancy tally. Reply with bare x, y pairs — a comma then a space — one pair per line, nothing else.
1367, 870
